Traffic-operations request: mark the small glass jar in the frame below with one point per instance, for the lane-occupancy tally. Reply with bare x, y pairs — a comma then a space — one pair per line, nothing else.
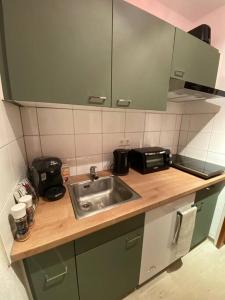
27, 200
19, 214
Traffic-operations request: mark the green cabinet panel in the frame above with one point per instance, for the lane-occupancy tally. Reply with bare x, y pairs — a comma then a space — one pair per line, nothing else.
111, 270
58, 51
142, 57
52, 274
108, 261
194, 60
205, 202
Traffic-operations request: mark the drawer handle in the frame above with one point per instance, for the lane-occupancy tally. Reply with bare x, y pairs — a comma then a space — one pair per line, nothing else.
131, 242
123, 102
49, 279
179, 73
97, 99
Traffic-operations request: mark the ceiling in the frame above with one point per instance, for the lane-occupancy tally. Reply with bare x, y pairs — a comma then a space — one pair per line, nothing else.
193, 9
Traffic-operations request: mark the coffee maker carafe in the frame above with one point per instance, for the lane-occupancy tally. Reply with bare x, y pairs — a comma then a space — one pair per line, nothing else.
121, 162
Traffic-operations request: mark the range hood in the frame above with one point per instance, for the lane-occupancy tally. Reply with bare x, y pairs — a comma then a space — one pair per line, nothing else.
183, 91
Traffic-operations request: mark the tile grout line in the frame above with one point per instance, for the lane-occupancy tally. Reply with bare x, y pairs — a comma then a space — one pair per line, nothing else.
25, 148
39, 133
74, 139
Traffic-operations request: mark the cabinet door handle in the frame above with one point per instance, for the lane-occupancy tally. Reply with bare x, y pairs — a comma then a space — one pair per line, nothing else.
177, 228
131, 242
123, 102
49, 279
97, 99
179, 73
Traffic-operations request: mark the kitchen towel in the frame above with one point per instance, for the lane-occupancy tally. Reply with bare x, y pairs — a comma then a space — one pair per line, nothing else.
184, 239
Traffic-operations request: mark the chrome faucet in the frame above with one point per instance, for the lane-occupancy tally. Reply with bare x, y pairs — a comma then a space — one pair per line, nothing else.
93, 174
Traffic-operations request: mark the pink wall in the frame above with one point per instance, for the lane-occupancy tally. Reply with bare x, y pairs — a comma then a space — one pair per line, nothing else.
163, 12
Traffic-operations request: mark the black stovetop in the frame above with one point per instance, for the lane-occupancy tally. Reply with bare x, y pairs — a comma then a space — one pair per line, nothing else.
197, 167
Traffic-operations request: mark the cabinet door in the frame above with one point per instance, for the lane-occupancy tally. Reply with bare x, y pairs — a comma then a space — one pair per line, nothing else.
52, 274
160, 225
142, 55
111, 270
205, 202
59, 51
194, 60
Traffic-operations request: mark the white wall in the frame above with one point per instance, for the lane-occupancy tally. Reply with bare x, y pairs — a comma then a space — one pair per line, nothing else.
12, 169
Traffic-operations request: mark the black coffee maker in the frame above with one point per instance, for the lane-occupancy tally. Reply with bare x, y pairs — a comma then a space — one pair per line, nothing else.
46, 177
121, 162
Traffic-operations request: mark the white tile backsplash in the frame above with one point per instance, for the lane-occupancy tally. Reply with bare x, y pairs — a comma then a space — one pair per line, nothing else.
217, 143
55, 121
29, 120
185, 122
12, 122
84, 163
112, 141
61, 146
201, 122
166, 139
168, 122
153, 122
135, 122
134, 140
87, 121
113, 121
33, 147
88, 144
80, 133
12, 165
7, 181
152, 138
199, 140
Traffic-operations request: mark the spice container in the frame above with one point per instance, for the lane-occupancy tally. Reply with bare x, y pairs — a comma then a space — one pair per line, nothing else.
18, 212
27, 200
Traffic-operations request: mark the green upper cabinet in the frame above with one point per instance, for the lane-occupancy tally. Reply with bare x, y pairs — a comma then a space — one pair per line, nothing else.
194, 60
58, 51
142, 56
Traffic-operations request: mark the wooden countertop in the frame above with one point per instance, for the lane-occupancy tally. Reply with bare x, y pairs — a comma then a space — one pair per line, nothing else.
55, 222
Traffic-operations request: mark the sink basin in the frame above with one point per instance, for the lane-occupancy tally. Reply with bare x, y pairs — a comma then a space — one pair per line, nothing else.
90, 197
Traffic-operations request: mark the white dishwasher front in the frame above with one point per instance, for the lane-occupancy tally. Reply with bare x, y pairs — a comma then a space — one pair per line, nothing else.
158, 250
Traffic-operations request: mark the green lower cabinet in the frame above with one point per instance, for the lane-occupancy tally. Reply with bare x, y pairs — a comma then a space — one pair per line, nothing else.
110, 270
52, 274
205, 202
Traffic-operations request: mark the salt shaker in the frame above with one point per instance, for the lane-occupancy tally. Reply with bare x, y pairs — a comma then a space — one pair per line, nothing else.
18, 212
27, 199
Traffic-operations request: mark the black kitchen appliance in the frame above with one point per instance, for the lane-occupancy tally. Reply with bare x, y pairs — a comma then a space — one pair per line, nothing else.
46, 177
120, 162
196, 167
150, 159
202, 32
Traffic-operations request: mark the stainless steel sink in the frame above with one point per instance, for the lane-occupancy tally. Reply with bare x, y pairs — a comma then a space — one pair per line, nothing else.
90, 197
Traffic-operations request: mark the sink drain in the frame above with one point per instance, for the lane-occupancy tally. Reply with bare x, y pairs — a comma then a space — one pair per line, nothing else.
85, 206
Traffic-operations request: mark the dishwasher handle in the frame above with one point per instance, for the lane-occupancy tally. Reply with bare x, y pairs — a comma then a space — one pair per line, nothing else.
177, 228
